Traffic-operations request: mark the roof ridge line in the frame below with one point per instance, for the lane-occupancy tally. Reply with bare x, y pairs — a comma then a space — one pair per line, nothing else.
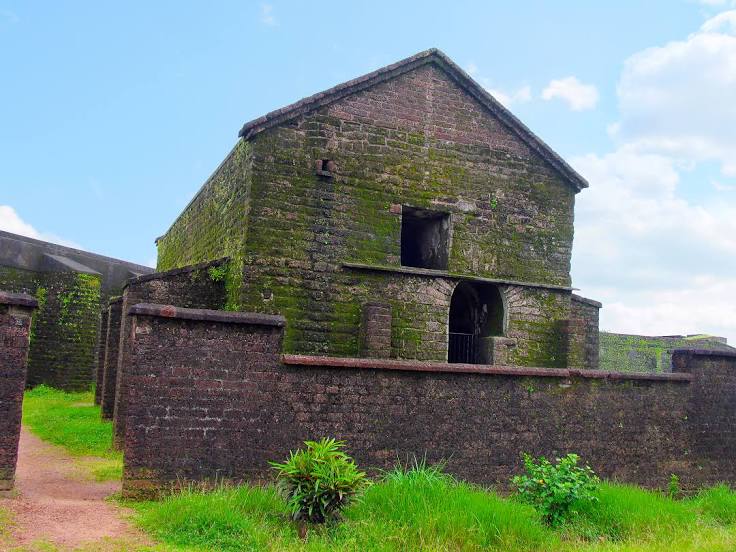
463, 79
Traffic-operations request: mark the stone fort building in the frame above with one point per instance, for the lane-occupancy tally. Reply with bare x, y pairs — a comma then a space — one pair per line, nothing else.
388, 263
404, 214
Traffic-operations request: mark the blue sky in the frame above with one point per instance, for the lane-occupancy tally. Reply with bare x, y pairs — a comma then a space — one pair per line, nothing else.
113, 114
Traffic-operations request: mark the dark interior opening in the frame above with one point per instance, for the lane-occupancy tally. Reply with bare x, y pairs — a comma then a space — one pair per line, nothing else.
425, 238
476, 312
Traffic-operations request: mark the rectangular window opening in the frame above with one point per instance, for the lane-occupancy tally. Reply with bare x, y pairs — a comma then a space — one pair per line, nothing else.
425, 238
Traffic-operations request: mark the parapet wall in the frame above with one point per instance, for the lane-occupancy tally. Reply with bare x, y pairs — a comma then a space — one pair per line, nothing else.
645, 353
211, 396
15, 326
195, 286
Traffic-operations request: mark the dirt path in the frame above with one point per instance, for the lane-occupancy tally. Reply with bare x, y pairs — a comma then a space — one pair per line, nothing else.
53, 504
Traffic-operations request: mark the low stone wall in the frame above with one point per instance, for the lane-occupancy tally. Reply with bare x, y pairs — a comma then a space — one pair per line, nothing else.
15, 326
110, 366
210, 396
101, 348
196, 286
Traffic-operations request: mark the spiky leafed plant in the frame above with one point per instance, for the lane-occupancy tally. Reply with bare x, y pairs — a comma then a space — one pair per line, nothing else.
319, 480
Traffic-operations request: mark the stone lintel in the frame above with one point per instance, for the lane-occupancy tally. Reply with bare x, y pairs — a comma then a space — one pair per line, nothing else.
412, 271
207, 315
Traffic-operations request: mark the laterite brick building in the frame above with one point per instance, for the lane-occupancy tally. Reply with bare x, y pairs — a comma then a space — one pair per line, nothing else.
404, 214
388, 262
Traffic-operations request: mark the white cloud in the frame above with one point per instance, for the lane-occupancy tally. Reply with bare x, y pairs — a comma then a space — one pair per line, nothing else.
10, 221
678, 99
267, 15
721, 187
523, 94
717, 3
659, 263
663, 261
577, 95
520, 95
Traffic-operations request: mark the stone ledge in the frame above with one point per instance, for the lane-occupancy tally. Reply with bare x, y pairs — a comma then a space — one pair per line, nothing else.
704, 352
176, 271
412, 271
207, 315
18, 299
591, 302
443, 367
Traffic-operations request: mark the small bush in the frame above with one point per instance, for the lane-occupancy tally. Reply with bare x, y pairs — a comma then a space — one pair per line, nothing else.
555, 490
673, 488
319, 481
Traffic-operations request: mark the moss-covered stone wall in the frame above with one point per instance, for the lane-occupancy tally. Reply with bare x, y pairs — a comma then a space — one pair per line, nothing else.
417, 140
65, 327
646, 353
215, 224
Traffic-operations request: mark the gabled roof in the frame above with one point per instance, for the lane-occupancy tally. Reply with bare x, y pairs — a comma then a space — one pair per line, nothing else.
459, 76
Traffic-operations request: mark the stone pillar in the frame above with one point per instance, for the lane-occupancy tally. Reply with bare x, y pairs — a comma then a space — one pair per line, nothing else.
375, 330
16, 310
101, 348
109, 377
497, 350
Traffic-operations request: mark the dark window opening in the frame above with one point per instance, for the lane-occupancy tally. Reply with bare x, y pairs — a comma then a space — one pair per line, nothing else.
476, 313
425, 238
325, 167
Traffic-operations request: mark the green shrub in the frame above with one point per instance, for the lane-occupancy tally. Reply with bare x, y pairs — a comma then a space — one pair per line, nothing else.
319, 481
673, 488
556, 490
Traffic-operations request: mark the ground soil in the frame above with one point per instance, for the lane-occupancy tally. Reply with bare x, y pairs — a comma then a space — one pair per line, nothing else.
54, 503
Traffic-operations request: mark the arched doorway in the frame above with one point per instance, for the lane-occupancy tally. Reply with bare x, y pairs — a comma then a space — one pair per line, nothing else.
476, 312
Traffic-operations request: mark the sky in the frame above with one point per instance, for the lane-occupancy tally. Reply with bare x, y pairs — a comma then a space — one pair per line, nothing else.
112, 115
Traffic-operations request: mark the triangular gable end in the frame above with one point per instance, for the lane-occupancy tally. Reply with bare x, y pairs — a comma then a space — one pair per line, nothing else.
392, 71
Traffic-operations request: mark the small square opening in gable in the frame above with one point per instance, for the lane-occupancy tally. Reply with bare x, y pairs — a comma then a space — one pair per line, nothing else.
425, 238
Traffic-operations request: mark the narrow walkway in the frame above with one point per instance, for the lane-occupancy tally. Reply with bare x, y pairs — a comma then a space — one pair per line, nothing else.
54, 504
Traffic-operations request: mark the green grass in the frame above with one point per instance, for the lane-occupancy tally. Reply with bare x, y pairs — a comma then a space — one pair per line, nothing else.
416, 508
427, 510
72, 421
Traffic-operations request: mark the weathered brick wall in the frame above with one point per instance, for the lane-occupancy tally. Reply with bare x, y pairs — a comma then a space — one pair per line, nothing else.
710, 411
64, 337
418, 140
110, 364
644, 353
210, 396
15, 327
583, 334
203, 285
101, 348
64, 332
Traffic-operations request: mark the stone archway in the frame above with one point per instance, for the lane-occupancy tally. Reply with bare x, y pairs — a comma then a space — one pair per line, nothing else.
476, 313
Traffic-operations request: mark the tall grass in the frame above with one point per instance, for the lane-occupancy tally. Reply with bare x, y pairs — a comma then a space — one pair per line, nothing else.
72, 421
419, 507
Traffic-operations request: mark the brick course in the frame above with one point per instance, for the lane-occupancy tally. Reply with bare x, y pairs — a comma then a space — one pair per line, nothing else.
15, 327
